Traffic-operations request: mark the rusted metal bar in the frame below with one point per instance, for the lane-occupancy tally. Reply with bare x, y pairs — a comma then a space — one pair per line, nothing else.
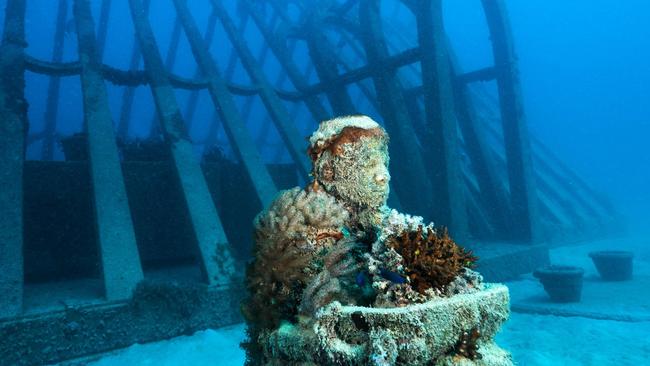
52, 68
211, 136
284, 58
515, 132
294, 142
170, 60
13, 130
52, 104
326, 67
297, 78
358, 52
215, 258
241, 139
119, 256
493, 195
247, 108
129, 92
390, 63
440, 126
484, 74
412, 186
232, 60
172, 51
478, 217
193, 100
104, 15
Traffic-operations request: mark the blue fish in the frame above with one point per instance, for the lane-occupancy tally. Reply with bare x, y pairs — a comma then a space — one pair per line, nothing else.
361, 279
392, 276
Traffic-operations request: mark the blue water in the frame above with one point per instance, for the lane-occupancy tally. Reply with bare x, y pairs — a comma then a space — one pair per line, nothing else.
585, 76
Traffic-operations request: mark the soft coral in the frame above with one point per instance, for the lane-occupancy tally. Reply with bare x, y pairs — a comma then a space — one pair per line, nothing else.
430, 260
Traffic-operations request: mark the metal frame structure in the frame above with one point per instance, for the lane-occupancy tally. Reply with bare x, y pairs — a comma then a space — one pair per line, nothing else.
471, 164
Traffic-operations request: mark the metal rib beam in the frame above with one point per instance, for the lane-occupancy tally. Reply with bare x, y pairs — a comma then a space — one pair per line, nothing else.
295, 144
216, 261
440, 119
521, 176
233, 124
52, 104
284, 58
120, 260
13, 129
412, 186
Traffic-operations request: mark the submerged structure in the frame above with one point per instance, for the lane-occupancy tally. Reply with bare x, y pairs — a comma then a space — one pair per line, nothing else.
340, 278
129, 183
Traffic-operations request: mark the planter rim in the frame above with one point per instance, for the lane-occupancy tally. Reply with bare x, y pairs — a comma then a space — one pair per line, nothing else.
611, 254
557, 269
490, 290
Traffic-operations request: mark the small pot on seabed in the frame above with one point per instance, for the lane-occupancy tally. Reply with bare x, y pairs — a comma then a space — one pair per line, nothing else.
613, 265
562, 283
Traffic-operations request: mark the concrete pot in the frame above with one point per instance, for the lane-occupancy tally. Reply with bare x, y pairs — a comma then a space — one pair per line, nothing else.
562, 283
613, 265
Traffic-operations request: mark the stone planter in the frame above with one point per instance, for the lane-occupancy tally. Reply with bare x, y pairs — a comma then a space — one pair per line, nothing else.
419, 334
613, 265
562, 283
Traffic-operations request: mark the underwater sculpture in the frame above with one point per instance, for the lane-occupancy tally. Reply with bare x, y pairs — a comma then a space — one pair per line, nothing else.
339, 278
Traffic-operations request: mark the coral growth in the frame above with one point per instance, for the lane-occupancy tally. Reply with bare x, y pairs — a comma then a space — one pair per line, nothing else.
339, 278
275, 281
466, 345
431, 259
307, 218
290, 236
330, 129
331, 283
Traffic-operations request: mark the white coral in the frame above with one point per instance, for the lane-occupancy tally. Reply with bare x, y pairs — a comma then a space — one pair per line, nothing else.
329, 129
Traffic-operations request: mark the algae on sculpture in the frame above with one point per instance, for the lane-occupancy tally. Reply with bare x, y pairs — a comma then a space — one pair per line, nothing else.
339, 278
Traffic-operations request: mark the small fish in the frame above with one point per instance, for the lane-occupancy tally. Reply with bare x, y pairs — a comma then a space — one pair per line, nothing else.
392, 276
361, 279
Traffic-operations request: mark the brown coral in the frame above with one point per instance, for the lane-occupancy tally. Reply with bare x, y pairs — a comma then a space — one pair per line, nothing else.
432, 260
347, 135
467, 346
289, 239
274, 280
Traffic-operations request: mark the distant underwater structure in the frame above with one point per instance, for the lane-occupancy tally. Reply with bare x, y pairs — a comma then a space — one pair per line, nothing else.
108, 238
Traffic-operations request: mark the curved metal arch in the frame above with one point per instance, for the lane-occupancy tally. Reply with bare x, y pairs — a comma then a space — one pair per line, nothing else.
134, 78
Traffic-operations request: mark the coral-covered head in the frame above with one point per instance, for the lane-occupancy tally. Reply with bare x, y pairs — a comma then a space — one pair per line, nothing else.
350, 158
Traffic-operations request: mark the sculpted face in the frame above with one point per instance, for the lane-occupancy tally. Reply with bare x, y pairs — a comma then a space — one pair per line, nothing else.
357, 172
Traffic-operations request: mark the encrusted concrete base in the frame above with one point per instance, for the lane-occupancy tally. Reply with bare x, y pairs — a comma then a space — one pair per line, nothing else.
420, 334
157, 310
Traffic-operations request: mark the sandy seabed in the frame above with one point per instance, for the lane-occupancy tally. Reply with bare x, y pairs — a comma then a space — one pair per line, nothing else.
533, 339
